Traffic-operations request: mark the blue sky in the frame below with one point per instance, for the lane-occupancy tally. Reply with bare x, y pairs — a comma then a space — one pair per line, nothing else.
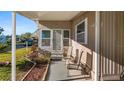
23, 24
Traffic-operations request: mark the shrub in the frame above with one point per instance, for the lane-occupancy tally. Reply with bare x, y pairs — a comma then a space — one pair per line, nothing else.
2, 46
32, 55
41, 59
33, 48
44, 52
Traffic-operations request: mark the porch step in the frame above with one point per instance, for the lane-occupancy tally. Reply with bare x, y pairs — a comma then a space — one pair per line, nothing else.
56, 55
82, 77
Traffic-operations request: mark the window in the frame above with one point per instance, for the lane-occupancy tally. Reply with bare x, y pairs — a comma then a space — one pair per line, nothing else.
45, 37
66, 37
81, 32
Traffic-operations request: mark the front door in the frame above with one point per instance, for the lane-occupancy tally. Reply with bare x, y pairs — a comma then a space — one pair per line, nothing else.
57, 40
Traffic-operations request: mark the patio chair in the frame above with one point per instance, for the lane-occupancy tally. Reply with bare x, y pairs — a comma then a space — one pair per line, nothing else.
76, 65
69, 59
122, 76
84, 67
87, 66
69, 53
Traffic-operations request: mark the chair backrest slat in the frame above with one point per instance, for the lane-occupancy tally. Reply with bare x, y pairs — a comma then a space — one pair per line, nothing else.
69, 53
80, 56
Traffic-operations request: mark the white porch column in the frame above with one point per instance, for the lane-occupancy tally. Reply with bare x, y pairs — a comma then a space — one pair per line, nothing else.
97, 44
39, 34
13, 76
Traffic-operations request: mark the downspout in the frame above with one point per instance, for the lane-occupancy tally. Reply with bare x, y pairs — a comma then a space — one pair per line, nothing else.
97, 45
13, 76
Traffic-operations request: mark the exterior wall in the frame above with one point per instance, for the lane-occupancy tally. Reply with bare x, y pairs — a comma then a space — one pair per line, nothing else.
51, 25
56, 24
90, 46
112, 45
91, 28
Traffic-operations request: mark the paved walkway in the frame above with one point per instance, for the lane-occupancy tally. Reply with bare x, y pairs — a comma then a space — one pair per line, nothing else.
58, 71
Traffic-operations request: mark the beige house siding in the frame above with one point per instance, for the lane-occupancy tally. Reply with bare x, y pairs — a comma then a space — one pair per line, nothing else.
112, 45
56, 24
89, 48
91, 28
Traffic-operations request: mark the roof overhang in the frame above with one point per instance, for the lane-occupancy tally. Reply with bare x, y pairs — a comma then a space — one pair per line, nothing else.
50, 15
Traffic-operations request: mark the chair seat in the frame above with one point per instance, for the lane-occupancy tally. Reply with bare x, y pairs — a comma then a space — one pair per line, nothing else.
74, 66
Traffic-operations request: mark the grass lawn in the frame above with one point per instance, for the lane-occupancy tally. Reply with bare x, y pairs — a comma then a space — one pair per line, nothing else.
5, 72
8, 48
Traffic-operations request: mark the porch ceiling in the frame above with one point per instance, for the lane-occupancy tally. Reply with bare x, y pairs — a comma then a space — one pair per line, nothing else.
50, 15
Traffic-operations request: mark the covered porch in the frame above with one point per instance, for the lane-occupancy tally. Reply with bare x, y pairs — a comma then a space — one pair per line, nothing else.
56, 32
58, 71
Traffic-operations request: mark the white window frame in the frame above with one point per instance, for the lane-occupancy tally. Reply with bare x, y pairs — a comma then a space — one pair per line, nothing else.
45, 38
66, 38
51, 39
85, 32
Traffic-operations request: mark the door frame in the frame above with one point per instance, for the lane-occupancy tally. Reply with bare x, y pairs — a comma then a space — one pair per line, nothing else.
61, 39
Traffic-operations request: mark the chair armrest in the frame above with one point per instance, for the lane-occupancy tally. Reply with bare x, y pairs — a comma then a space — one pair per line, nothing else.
72, 66
86, 68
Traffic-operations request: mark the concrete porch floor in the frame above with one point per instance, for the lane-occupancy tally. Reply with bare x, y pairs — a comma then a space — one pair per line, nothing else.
58, 71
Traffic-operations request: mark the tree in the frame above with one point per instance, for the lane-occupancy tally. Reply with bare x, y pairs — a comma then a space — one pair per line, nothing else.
2, 46
8, 39
1, 30
27, 35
